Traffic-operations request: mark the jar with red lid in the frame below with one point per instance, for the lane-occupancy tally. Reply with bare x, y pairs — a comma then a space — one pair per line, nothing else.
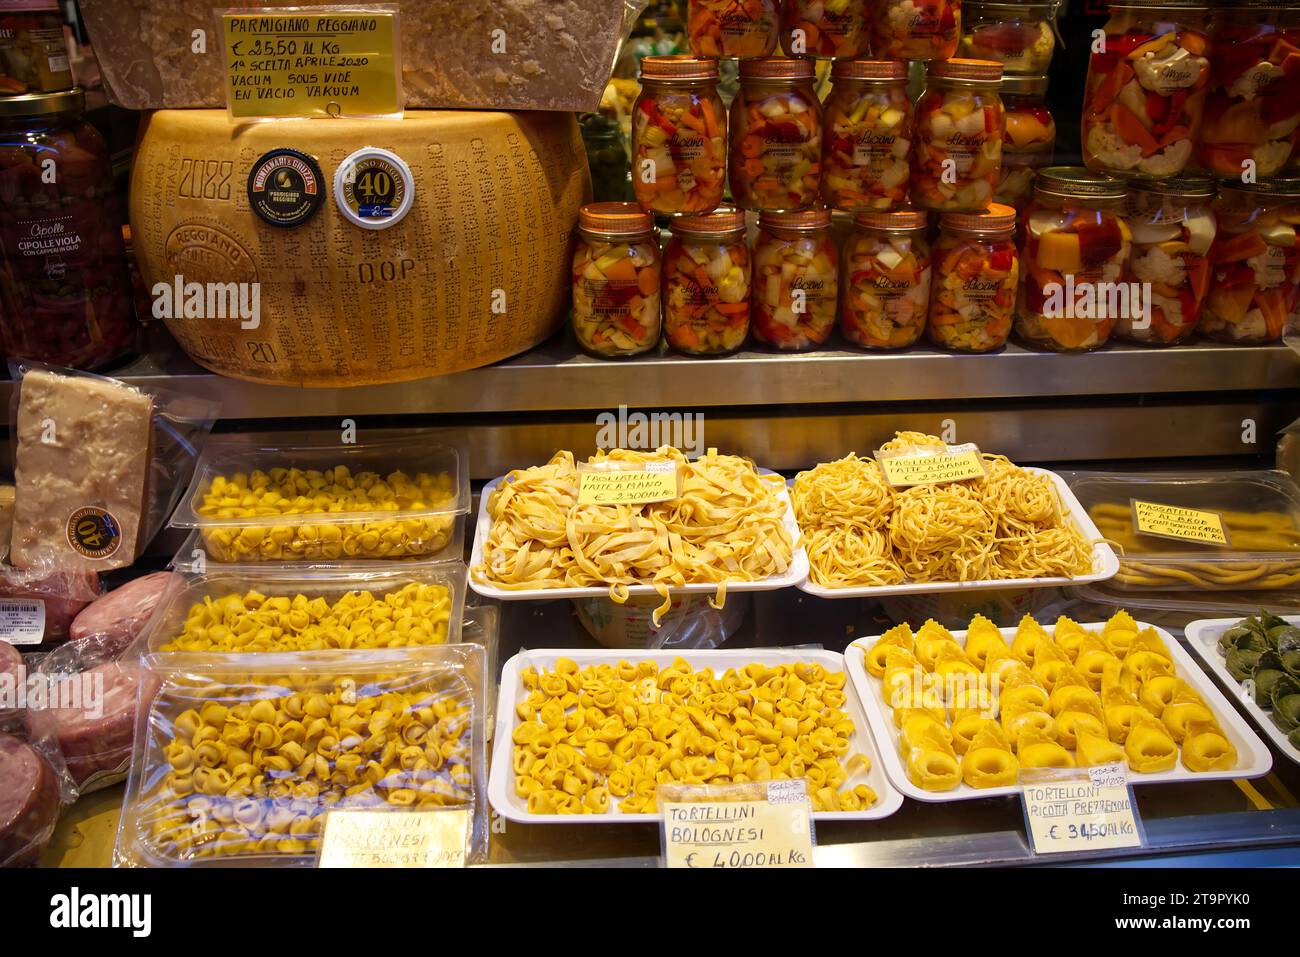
33, 52
616, 280
959, 137
732, 28
915, 29
706, 284
1030, 138
973, 298
824, 28
887, 280
679, 136
867, 136
1020, 36
776, 136
796, 275
1256, 262
1075, 249
64, 286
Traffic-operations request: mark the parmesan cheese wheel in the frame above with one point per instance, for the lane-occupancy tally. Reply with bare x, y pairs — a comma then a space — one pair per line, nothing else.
476, 271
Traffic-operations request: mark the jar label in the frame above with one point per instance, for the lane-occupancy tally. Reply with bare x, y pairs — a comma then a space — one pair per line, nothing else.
871, 148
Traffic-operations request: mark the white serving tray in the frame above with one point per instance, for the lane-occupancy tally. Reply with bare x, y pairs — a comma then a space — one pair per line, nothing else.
1203, 635
1253, 757
501, 790
795, 574
1105, 563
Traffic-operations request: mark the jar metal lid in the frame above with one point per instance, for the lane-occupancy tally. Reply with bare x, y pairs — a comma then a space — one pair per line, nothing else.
724, 219
1078, 181
962, 68
998, 218
622, 218
899, 219
1024, 85
819, 217
776, 68
43, 104
869, 70
1189, 184
1045, 8
1157, 4
678, 68
1273, 186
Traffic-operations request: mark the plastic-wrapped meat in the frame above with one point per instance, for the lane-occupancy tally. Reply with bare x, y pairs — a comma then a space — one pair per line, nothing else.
62, 595
95, 737
29, 802
11, 678
118, 617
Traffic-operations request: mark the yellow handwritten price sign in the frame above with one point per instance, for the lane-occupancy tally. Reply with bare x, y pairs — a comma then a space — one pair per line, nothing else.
364, 838
758, 824
312, 61
1079, 809
650, 482
904, 468
1183, 524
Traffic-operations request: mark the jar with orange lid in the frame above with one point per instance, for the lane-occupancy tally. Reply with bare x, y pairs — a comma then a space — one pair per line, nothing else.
1030, 138
795, 279
1020, 36
866, 136
915, 29
973, 298
706, 284
732, 28
616, 273
1075, 250
679, 136
959, 135
1256, 262
776, 136
886, 265
824, 28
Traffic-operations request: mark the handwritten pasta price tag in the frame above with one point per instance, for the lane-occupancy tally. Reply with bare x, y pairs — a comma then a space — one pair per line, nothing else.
1184, 524
365, 838
1079, 809
757, 824
642, 484
904, 468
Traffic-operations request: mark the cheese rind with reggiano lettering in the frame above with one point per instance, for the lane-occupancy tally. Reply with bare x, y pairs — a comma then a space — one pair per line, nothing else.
475, 272
83, 453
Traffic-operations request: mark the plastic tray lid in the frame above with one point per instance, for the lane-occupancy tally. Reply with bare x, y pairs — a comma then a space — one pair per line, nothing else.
227, 456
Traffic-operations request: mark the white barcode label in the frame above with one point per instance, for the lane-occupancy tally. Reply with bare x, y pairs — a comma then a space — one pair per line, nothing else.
58, 63
22, 621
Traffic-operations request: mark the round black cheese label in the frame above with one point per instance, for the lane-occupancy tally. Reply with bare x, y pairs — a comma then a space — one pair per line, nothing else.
374, 188
285, 187
94, 532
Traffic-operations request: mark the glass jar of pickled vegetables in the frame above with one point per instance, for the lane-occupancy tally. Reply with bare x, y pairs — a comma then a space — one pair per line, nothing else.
915, 29
795, 279
1075, 250
706, 283
65, 292
732, 28
1256, 261
867, 132
679, 136
1173, 231
1146, 88
1030, 138
616, 280
776, 136
959, 134
973, 298
824, 28
887, 280
1020, 36
1253, 109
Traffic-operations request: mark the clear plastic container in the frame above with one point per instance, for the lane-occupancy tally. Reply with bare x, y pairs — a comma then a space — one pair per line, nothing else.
1020, 36
886, 278
616, 281
1260, 514
867, 136
679, 136
349, 504
796, 274
775, 157
1176, 609
960, 130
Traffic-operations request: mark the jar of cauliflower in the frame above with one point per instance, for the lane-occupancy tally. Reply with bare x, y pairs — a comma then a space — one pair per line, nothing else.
795, 279
867, 136
1020, 36
775, 159
1030, 138
959, 134
616, 280
916, 29
706, 285
886, 280
974, 291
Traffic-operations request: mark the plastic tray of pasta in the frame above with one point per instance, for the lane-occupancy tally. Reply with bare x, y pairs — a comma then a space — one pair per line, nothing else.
975, 706
730, 529
1260, 657
239, 758
737, 708
391, 606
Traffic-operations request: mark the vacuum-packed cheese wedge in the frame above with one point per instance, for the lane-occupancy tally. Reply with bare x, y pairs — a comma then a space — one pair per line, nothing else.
80, 472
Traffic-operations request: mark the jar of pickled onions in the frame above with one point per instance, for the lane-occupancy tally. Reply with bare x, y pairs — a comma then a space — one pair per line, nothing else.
679, 136
795, 279
1173, 230
776, 136
886, 280
1030, 138
707, 283
732, 28
1145, 92
973, 296
867, 136
959, 137
1256, 262
1075, 251
1020, 36
915, 29
616, 280
824, 28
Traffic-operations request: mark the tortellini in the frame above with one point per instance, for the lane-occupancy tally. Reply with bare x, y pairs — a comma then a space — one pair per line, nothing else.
602, 738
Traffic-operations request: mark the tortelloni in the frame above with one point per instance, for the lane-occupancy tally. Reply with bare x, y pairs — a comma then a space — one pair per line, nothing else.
600, 738
419, 613
249, 765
